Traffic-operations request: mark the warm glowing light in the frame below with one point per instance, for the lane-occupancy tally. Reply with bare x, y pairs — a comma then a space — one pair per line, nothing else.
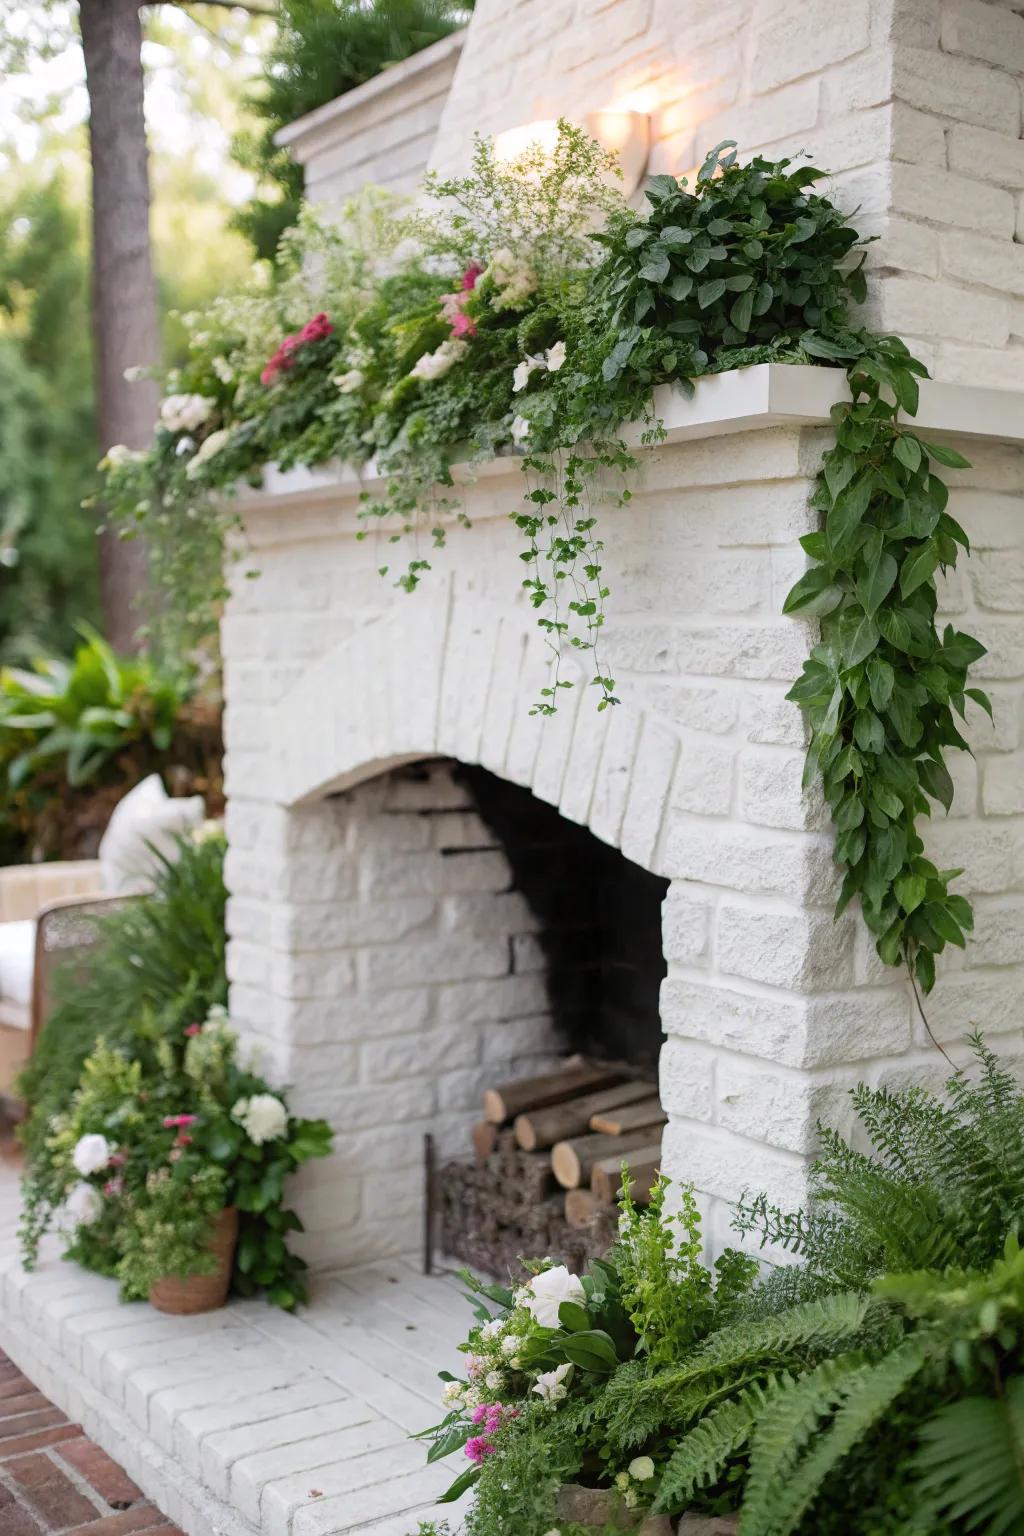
625, 134
644, 98
513, 142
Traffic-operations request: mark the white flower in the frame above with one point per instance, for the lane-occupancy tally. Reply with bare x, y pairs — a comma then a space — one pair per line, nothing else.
472, 1397
434, 365
183, 446
642, 1468
555, 356
223, 369
184, 413
207, 448
520, 428
513, 278
349, 382
208, 831
494, 1381
91, 1154
492, 1329
452, 1394
622, 1481
521, 373
509, 1344
552, 1386
263, 1118
84, 1205
134, 374
118, 454
522, 1295
549, 1290
217, 1018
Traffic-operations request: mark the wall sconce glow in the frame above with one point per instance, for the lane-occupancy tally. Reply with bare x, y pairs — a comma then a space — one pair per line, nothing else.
627, 135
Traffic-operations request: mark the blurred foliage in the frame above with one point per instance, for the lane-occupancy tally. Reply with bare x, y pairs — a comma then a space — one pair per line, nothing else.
48, 448
323, 48
75, 736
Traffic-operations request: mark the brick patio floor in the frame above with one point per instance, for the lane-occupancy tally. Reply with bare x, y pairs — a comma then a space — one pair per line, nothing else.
53, 1479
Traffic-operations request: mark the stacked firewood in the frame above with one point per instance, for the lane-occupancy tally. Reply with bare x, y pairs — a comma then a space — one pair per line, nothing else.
547, 1169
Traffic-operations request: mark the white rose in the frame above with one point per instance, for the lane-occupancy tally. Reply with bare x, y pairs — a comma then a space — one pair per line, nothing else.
494, 1381
91, 1154
184, 413
552, 1386
207, 448
520, 429
509, 1344
263, 1118
555, 356
642, 1468
349, 382
84, 1205
549, 1290
521, 373
434, 365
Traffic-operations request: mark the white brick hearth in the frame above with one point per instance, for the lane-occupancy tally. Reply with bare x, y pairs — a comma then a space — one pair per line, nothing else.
378, 957
248, 1421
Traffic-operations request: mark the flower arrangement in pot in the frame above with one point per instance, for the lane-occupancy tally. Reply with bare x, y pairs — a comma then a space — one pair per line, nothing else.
172, 1180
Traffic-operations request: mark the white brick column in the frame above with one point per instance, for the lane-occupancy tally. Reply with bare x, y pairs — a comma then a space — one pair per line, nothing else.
380, 963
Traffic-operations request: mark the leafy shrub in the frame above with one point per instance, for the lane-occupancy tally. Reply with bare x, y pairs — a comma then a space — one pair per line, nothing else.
875, 1391
88, 729
145, 1158
156, 967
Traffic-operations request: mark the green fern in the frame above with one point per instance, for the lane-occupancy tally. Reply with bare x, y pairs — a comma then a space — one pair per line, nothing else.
971, 1462
704, 1453
854, 1393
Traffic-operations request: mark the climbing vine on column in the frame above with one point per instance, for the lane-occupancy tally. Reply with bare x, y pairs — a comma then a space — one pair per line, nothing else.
882, 690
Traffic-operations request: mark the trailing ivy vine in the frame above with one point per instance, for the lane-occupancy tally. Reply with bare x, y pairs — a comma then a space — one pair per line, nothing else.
502, 320
882, 689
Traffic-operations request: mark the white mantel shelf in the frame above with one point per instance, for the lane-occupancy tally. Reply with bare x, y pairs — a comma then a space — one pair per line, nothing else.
742, 400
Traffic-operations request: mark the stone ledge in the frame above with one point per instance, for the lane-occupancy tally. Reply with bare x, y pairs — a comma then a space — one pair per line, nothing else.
741, 400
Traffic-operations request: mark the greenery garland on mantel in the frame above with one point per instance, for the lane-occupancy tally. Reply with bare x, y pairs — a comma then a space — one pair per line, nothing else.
498, 318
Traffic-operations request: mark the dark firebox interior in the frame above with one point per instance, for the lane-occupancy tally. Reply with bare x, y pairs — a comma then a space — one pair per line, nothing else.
600, 922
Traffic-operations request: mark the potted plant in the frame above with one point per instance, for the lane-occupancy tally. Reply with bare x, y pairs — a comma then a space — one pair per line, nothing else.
171, 1177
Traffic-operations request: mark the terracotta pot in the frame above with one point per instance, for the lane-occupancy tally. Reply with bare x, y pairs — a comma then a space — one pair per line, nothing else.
182, 1294
603, 1509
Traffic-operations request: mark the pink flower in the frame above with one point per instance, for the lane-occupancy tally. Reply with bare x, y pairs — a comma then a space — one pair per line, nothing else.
470, 276
463, 325
171, 1122
480, 1413
475, 1366
114, 1187
118, 1159
478, 1446
183, 1139
316, 329
193, 1029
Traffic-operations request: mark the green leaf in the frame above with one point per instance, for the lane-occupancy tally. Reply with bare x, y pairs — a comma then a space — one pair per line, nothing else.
910, 891
943, 455
869, 732
709, 293
907, 450
981, 698
944, 923
918, 566
839, 471
873, 588
592, 1350
814, 594
458, 1488
847, 513
858, 636
881, 679
936, 780
573, 1317
924, 969
656, 269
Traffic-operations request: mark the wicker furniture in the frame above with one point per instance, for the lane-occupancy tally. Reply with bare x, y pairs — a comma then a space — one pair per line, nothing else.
45, 916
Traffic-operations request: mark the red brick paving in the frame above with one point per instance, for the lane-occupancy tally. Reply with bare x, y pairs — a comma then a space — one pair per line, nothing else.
53, 1479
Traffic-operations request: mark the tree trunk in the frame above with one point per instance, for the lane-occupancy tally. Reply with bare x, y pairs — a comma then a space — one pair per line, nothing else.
125, 313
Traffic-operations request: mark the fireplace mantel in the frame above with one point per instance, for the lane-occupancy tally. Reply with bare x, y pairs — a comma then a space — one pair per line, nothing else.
740, 400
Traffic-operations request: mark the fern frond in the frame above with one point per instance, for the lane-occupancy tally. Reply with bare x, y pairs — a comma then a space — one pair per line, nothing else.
705, 1451
783, 1482
971, 1462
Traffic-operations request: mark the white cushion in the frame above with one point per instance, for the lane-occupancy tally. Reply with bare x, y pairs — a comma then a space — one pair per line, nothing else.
146, 819
17, 961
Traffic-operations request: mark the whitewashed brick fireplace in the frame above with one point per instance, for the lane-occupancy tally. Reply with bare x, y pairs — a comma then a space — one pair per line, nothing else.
379, 954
